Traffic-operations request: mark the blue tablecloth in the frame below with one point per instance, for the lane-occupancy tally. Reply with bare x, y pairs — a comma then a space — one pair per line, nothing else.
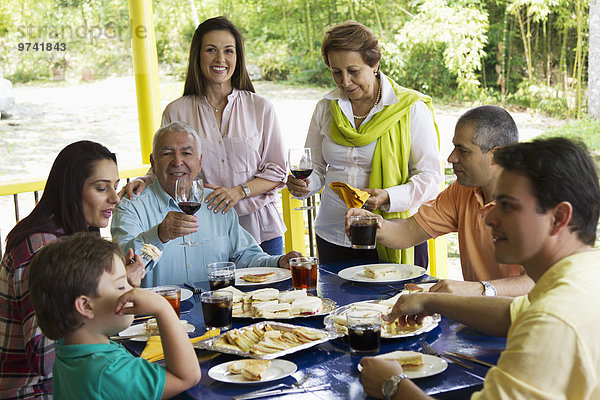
332, 363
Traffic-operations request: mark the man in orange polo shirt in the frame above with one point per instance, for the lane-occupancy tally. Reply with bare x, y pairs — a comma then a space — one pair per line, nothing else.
462, 208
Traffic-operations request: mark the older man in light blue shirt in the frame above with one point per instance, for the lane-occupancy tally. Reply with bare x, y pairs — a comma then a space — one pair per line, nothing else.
155, 218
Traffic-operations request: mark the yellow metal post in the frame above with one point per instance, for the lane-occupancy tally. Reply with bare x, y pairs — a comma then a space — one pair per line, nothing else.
438, 257
145, 66
294, 222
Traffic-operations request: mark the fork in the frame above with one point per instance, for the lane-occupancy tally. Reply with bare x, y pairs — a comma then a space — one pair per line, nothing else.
195, 289
267, 391
427, 349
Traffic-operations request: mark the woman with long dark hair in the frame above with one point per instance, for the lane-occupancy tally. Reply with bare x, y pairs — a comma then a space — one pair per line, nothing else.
244, 156
80, 195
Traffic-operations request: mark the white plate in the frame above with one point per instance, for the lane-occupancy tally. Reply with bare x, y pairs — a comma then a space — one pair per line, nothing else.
140, 329
406, 272
277, 370
186, 294
433, 366
280, 275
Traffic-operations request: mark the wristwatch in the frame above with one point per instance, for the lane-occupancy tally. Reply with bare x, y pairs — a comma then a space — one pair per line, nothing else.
488, 289
390, 386
246, 190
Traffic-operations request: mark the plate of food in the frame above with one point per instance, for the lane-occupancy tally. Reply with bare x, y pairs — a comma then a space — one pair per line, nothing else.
260, 276
141, 332
266, 340
336, 320
382, 273
270, 303
249, 371
415, 365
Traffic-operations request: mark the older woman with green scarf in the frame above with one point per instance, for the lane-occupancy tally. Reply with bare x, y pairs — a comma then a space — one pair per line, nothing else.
372, 134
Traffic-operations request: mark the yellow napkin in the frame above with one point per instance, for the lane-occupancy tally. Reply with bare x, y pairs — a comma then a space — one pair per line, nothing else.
154, 350
353, 197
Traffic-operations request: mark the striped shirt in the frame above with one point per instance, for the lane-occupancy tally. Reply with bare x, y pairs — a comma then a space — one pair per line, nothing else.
26, 355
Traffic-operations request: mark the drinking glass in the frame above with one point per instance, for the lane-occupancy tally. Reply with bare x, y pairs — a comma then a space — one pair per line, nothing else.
364, 332
301, 166
217, 308
172, 294
304, 272
221, 274
363, 231
189, 194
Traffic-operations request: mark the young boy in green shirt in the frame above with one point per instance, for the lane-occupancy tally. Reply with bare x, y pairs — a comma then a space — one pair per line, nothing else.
80, 294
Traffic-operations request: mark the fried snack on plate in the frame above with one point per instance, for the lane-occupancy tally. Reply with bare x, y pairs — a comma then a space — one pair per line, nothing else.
250, 369
257, 278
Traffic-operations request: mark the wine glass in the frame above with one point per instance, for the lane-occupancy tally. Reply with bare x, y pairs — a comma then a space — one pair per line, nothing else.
301, 166
189, 195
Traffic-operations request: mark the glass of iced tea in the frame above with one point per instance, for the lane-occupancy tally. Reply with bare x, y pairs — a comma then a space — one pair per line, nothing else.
304, 272
364, 332
217, 308
172, 294
363, 230
221, 274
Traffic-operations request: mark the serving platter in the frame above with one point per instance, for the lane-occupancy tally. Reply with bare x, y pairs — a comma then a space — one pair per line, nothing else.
429, 323
210, 344
328, 306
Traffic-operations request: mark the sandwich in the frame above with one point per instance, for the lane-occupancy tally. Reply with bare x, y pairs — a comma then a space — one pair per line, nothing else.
307, 306
272, 310
257, 278
292, 295
262, 295
306, 335
413, 288
150, 252
252, 370
381, 271
151, 326
410, 360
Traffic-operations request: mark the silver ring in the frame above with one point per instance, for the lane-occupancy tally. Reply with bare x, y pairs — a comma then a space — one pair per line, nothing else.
226, 203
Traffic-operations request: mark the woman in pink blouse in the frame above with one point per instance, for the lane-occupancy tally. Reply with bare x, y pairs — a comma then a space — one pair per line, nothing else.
80, 195
243, 155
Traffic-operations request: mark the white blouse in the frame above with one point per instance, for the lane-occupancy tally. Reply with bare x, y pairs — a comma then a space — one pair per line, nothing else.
333, 162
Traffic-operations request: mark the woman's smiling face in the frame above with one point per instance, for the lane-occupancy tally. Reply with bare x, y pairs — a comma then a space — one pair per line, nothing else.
218, 56
99, 195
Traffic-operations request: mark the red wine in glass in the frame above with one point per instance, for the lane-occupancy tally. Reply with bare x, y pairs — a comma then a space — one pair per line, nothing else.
189, 195
301, 166
301, 173
190, 207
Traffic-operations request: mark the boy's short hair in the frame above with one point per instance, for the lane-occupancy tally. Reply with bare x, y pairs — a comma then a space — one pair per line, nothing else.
558, 170
64, 270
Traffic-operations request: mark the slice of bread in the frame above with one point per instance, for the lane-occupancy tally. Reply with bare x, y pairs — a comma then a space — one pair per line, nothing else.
410, 360
257, 278
307, 306
380, 271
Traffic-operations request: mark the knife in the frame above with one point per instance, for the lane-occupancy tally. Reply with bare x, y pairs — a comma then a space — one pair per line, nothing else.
279, 392
469, 358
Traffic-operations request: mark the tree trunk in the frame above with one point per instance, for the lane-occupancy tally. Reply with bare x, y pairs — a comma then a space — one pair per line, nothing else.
594, 60
525, 39
194, 13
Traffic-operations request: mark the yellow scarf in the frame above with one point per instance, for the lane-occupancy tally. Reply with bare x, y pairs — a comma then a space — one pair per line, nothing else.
390, 159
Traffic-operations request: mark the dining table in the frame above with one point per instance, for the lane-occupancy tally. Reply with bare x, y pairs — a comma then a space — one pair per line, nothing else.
330, 365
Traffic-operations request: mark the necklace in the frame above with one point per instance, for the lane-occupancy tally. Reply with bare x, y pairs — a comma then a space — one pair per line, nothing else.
216, 109
376, 101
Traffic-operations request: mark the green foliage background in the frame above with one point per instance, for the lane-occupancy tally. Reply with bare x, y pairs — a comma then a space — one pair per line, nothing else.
519, 51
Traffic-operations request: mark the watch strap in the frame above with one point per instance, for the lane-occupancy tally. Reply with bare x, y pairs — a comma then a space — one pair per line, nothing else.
390, 386
488, 289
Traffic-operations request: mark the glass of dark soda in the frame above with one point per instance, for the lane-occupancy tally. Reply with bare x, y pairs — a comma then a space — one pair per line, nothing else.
217, 308
221, 274
364, 331
363, 230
